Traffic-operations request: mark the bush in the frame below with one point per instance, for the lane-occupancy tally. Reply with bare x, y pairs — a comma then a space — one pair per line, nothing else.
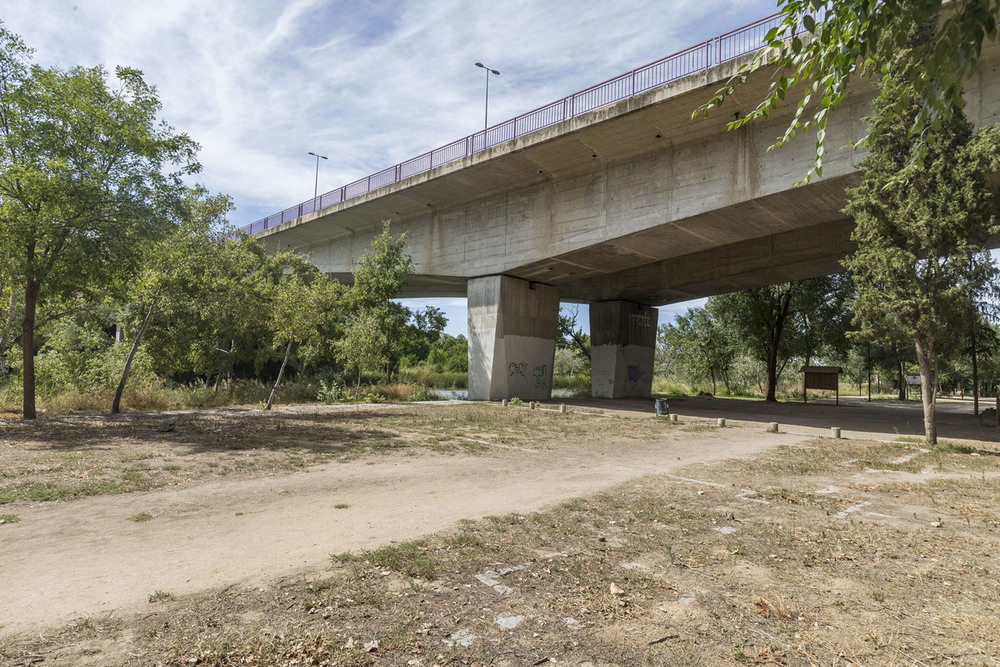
333, 392
425, 376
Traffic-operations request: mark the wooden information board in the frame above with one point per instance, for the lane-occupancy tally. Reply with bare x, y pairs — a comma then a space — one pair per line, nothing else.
821, 377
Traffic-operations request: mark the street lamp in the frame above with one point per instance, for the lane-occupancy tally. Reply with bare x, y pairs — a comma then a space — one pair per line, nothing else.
316, 186
486, 120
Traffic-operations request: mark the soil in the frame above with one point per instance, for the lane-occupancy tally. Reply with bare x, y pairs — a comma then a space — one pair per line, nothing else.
91, 559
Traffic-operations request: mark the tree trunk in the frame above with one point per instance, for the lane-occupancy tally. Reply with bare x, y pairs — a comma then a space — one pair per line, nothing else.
928, 381
784, 302
281, 372
902, 382
31, 288
869, 372
116, 403
772, 373
975, 377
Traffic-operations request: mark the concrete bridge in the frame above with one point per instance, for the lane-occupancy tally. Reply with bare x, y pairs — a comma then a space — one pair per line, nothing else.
625, 206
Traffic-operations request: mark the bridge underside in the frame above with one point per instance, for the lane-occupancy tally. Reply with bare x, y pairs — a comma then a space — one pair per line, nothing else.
627, 207
773, 239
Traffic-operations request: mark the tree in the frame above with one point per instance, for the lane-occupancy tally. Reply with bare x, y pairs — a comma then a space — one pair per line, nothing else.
172, 268
214, 313
365, 344
821, 44
570, 336
83, 180
779, 322
376, 325
699, 346
303, 315
923, 217
449, 354
757, 317
419, 331
822, 318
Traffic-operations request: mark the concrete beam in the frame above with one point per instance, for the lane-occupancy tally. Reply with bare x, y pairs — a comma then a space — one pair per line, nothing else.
512, 338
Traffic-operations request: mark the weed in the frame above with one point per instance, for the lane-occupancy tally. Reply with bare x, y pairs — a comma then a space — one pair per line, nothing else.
9, 518
511, 519
341, 506
575, 505
775, 607
160, 596
140, 517
82, 624
344, 557
411, 558
464, 539
948, 447
515, 401
322, 584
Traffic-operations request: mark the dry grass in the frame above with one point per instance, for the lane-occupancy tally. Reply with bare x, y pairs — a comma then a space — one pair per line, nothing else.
75, 457
828, 554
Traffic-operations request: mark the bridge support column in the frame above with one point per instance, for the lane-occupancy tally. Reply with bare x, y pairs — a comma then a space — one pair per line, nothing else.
512, 338
622, 345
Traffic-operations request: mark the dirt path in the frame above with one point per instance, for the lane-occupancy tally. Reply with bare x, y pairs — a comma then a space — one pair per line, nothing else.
85, 558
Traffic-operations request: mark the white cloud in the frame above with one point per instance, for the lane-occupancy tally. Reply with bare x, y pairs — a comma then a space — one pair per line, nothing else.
259, 84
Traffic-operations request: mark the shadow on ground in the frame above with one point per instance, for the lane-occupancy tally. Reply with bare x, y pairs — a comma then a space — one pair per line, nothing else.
885, 418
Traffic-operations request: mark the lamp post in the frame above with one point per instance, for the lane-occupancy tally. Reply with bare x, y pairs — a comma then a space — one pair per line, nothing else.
486, 120
316, 185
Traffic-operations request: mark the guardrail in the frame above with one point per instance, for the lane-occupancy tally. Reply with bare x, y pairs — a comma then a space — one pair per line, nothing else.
723, 48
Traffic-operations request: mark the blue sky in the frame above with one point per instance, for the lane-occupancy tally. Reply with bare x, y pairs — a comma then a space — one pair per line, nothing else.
260, 83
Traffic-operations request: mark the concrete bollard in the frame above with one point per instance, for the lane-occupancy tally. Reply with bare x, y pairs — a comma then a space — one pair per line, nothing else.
531, 405
835, 431
773, 428
504, 402
672, 417
722, 422
562, 407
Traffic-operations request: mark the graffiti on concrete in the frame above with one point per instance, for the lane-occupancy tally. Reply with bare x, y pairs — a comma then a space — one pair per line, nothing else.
541, 375
634, 374
517, 369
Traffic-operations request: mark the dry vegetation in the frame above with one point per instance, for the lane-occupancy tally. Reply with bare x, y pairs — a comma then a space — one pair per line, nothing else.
836, 553
72, 457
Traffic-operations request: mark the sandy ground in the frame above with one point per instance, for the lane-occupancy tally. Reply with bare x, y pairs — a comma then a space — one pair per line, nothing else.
84, 558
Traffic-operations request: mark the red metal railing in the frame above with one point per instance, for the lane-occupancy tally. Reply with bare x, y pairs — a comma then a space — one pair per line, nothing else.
697, 58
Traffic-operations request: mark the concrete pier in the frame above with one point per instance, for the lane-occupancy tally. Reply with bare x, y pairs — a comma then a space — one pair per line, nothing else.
622, 345
512, 338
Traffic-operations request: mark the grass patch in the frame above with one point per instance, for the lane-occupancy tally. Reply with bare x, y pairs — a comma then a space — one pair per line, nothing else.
160, 596
9, 518
49, 491
140, 517
411, 558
